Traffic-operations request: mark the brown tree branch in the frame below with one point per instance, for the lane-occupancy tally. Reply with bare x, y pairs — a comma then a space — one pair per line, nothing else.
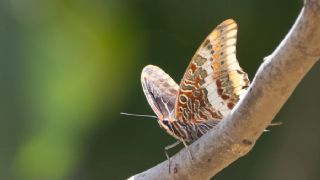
274, 82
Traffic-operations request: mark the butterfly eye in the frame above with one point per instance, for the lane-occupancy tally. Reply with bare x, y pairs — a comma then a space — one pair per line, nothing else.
165, 122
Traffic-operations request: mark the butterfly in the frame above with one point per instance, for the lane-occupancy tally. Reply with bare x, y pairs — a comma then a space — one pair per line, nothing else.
210, 87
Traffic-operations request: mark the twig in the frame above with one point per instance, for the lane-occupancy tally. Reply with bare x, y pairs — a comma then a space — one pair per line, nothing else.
273, 84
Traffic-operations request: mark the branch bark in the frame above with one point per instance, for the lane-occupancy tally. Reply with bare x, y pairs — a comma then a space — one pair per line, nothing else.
273, 84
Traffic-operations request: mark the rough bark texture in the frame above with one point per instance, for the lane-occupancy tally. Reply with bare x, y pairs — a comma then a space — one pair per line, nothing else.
273, 84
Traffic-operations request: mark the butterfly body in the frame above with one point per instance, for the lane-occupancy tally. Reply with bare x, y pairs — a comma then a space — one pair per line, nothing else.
209, 89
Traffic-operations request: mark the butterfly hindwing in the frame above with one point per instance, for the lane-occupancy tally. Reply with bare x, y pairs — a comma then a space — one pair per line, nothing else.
213, 80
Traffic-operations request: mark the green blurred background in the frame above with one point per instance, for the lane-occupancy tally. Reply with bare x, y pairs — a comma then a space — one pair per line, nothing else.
68, 68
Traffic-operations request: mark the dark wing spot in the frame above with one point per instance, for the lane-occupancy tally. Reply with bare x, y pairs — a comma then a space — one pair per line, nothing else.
225, 97
240, 72
189, 105
196, 93
196, 106
209, 47
185, 114
206, 43
205, 96
183, 99
218, 83
245, 87
199, 61
203, 74
230, 105
246, 142
187, 87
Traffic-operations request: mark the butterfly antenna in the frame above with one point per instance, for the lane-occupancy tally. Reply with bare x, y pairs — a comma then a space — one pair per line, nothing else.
138, 115
278, 123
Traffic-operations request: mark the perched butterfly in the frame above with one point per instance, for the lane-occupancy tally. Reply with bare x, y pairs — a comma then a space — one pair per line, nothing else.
208, 91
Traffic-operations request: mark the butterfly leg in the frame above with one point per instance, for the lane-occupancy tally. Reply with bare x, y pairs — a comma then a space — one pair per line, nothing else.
166, 151
278, 123
187, 147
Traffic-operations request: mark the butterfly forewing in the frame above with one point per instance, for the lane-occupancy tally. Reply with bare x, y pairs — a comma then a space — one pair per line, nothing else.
213, 80
160, 90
